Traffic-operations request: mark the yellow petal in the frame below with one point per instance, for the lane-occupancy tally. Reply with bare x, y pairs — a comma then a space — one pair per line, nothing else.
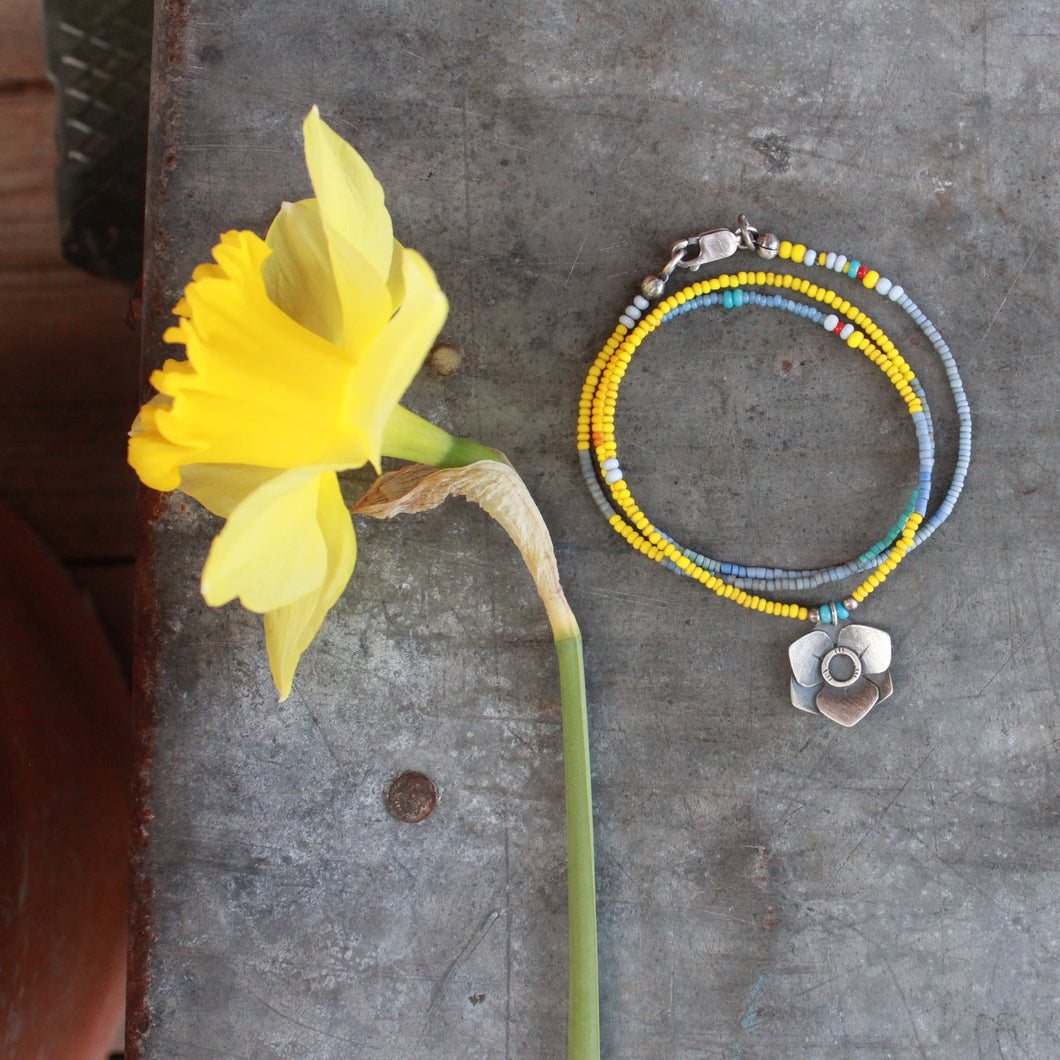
290, 630
358, 230
272, 550
220, 488
297, 275
379, 379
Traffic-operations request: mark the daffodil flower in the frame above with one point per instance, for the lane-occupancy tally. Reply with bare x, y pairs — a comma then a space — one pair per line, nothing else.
299, 348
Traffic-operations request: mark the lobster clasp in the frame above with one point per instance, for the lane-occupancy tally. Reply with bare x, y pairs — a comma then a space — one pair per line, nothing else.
699, 250
713, 245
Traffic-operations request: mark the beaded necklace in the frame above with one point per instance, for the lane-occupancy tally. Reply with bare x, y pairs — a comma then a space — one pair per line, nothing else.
839, 670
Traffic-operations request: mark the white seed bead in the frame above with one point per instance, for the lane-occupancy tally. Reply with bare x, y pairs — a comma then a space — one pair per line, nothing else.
829, 260
896, 292
609, 464
628, 322
883, 285
829, 323
848, 330
840, 263
810, 258
641, 302
613, 475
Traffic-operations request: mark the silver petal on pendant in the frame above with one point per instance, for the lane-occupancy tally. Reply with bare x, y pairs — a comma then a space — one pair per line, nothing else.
873, 645
884, 683
804, 697
848, 706
806, 655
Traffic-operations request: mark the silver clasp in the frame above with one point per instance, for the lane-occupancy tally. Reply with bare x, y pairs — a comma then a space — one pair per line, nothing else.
698, 250
712, 245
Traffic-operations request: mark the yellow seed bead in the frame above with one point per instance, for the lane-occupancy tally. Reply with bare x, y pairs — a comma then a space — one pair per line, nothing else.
854, 339
871, 278
804, 614
785, 250
798, 252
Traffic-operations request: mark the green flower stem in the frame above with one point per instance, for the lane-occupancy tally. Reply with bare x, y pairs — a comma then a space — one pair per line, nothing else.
583, 1019
410, 437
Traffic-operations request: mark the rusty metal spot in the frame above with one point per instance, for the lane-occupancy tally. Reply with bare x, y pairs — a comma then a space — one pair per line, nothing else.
445, 359
775, 149
411, 797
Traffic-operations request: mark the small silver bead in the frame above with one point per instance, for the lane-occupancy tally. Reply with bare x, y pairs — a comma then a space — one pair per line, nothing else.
653, 287
815, 614
767, 245
850, 603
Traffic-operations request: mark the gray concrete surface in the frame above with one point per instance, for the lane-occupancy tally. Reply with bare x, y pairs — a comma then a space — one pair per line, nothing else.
770, 885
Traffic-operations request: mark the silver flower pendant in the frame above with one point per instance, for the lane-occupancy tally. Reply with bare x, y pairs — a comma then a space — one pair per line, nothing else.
842, 672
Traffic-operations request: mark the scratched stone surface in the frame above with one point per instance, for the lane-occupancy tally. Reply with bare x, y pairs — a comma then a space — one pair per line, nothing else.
770, 885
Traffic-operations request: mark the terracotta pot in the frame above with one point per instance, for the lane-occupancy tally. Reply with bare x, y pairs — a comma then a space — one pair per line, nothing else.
64, 813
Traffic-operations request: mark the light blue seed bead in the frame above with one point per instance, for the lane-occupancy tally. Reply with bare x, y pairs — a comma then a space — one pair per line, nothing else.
826, 614
841, 612
737, 298
726, 299
628, 321
896, 292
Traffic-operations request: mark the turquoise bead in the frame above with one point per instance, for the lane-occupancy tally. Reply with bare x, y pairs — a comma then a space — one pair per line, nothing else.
840, 612
826, 613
